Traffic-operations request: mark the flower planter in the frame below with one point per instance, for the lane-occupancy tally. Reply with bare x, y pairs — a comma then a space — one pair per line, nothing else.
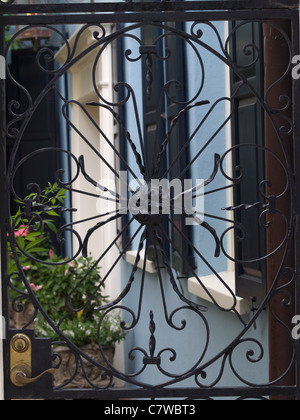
19, 319
93, 373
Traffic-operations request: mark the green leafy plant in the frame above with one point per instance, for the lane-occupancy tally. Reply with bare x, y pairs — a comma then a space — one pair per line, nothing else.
68, 290
71, 293
32, 236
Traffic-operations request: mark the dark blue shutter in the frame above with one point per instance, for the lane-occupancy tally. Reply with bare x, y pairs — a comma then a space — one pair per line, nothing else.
158, 116
153, 112
176, 71
248, 128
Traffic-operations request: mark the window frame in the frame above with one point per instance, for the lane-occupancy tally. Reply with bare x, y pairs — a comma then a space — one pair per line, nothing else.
244, 286
248, 285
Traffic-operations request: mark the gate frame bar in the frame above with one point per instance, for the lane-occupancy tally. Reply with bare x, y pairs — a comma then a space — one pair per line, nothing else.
161, 6
3, 215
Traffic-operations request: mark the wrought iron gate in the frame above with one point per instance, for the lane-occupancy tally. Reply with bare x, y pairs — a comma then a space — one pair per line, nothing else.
159, 148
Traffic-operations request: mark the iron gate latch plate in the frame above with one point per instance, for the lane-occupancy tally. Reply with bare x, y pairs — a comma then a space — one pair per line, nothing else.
20, 357
21, 360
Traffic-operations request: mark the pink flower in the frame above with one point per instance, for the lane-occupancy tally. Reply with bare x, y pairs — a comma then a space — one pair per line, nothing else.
23, 231
35, 288
66, 271
27, 267
51, 254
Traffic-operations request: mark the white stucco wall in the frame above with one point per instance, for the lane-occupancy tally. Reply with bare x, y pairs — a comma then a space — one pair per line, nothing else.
89, 142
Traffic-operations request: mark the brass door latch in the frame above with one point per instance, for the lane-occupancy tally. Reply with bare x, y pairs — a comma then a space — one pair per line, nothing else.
20, 361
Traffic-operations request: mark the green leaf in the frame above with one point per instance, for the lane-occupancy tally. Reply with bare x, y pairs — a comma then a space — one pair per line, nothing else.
51, 226
32, 236
38, 249
52, 213
61, 192
18, 212
21, 241
34, 244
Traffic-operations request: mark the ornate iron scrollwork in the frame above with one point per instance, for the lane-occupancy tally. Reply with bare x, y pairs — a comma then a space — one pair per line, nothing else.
148, 229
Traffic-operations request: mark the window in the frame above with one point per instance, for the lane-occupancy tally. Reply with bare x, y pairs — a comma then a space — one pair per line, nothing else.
167, 76
203, 136
248, 128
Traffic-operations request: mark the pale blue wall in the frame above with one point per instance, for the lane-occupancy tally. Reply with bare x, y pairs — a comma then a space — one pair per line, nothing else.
213, 89
224, 327
189, 343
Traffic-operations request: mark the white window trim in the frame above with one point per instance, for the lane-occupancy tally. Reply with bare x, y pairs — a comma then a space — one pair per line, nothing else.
220, 293
215, 288
82, 90
130, 258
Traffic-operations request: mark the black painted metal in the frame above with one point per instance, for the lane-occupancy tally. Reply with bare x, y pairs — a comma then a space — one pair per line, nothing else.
149, 229
129, 6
